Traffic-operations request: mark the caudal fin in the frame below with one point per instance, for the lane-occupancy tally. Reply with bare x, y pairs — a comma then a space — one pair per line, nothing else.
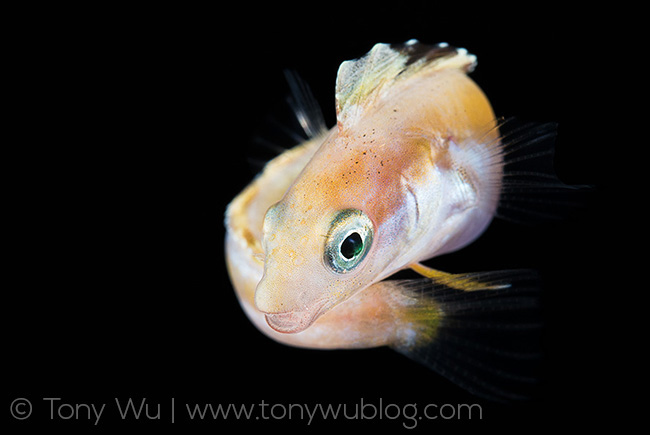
486, 341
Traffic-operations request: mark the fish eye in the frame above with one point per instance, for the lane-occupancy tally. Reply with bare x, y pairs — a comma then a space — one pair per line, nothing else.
352, 246
348, 240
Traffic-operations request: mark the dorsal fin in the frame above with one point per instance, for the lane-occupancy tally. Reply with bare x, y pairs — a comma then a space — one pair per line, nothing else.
361, 81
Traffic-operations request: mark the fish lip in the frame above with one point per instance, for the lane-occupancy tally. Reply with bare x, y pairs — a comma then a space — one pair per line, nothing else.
292, 322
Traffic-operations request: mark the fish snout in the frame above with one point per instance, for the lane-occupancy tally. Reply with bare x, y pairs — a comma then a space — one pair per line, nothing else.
268, 298
290, 322
294, 321
284, 313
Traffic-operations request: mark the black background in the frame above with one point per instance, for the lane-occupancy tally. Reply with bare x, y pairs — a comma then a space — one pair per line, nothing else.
129, 132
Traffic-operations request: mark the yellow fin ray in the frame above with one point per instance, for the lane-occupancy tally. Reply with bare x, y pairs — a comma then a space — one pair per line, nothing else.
465, 282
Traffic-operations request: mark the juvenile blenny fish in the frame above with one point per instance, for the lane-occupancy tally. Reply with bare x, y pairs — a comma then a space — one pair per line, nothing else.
413, 169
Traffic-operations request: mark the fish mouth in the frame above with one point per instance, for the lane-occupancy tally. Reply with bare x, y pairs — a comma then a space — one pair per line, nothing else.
292, 322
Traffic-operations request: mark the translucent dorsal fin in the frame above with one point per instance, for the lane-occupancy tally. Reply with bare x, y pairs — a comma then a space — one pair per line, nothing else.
362, 81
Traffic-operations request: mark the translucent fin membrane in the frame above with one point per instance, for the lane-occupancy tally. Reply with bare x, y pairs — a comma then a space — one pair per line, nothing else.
486, 341
531, 191
298, 119
304, 106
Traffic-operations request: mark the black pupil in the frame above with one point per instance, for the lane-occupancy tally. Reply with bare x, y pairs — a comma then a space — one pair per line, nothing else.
351, 246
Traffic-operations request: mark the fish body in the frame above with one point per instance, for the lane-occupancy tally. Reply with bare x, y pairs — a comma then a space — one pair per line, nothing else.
413, 169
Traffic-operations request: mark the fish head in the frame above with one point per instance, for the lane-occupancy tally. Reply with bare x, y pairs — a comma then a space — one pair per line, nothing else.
331, 235
384, 188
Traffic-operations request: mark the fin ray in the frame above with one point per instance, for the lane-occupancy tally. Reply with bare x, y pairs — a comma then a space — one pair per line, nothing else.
362, 80
488, 341
531, 191
469, 281
297, 120
305, 107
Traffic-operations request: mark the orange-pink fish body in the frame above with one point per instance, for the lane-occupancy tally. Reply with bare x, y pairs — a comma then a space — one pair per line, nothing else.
412, 170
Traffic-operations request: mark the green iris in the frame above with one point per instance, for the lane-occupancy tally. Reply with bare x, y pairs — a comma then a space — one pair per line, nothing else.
348, 240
